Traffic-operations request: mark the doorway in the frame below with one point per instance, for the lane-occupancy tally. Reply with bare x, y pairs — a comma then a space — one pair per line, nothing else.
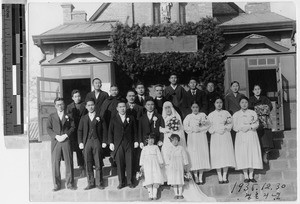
266, 78
83, 85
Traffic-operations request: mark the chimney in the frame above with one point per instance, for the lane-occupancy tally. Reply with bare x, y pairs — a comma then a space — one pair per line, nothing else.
67, 12
257, 7
78, 16
71, 16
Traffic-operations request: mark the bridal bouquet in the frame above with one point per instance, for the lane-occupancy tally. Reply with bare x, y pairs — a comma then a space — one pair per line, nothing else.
173, 124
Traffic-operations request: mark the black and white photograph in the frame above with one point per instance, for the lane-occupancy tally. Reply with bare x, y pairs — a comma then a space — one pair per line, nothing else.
153, 101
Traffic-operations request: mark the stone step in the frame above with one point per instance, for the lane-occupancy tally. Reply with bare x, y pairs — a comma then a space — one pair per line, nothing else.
280, 143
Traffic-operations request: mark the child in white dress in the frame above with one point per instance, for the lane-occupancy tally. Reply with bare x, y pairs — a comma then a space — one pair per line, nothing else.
196, 125
151, 162
177, 160
221, 146
247, 147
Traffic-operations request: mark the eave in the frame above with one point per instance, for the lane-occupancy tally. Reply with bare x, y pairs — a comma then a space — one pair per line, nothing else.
69, 38
257, 28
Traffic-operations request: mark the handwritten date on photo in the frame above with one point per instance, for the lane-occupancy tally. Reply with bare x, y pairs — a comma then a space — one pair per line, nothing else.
254, 191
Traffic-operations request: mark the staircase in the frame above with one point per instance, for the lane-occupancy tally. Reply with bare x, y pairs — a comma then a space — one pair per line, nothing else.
276, 182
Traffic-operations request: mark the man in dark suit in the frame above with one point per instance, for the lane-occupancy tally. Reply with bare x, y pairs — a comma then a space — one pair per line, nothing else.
175, 94
76, 110
194, 95
141, 96
150, 123
92, 137
159, 98
122, 138
98, 95
60, 128
136, 111
131, 107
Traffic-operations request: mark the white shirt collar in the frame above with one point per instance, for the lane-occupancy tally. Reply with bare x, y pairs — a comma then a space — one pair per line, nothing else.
60, 114
149, 114
92, 115
174, 87
122, 117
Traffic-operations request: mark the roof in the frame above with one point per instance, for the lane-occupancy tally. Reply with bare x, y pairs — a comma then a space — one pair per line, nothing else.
79, 30
99, 11
257, 18
80, 48
225, 8
255, 39
257, 22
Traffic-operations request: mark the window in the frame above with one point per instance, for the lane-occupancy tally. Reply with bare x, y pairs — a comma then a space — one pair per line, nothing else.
156, 13
182, 13
262, 62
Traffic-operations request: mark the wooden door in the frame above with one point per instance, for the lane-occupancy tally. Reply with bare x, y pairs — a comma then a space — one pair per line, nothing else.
279, 108
47, 90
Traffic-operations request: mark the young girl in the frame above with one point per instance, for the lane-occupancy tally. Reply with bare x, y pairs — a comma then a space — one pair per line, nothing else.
151, 163
196, 125
247, 148
177, 160
221, 146
262, 105
168, 114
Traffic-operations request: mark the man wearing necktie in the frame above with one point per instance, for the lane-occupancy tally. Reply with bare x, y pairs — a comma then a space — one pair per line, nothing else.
60, 127
194, 95
141, 95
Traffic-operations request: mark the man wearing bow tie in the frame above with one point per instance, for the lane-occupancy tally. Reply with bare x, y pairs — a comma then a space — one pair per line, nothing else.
60, 127
122, 139
194, 95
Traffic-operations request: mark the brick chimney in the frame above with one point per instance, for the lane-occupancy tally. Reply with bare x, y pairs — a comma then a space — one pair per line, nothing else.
71, 16
258, 7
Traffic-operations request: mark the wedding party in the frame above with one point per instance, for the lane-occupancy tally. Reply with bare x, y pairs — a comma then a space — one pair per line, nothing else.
162, 101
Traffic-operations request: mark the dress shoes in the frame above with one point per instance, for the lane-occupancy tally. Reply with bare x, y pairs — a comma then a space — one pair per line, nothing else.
89, 187
221, 182
120, 186
252, 180
226, 181
131, 186
101, 187
180, 197
56, 189
71, 188
246, 180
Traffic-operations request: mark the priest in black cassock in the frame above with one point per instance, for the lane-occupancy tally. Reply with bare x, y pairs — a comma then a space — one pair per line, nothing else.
159, 98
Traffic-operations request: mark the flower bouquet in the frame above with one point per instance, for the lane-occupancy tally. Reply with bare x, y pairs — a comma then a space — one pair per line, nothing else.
228, 120
263, 113
173, 124
139, 175
203, 122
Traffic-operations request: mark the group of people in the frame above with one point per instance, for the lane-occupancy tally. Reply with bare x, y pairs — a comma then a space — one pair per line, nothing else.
176, 132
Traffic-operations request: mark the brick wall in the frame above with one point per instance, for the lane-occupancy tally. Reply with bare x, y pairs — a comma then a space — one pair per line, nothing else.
143, 13
196, 11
